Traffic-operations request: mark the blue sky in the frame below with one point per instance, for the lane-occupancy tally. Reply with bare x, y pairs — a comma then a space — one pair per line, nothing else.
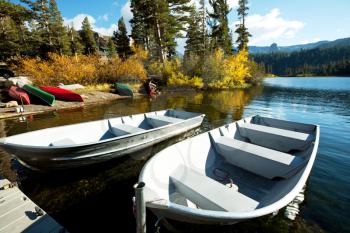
285, 22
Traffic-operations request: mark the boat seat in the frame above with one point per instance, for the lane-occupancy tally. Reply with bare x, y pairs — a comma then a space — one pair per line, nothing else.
123, 129
158, 121
63, 142
262, 161
275, 138
209, 194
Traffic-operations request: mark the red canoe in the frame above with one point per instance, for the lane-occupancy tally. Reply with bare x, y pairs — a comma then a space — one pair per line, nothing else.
19, 94
62, 94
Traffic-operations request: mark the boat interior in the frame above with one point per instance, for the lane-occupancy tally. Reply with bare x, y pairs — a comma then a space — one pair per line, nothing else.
239, 167
96, 131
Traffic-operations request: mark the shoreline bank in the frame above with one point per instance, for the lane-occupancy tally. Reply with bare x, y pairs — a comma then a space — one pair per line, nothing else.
90, 98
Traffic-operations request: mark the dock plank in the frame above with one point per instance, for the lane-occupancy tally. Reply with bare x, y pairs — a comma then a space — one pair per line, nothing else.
11, 202
7, 193
4, 182
24, 209
18, 214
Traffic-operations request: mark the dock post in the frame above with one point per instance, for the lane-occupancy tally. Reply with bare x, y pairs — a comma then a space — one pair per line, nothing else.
140, 208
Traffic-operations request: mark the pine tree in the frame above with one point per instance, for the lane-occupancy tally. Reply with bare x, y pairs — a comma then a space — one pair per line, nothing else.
60, 41
203, 25
139, 27
194, 43
177, 19
87, 38
111, 47
74, 42
241, 30
41, 32
9, 38
157, 23
122, 40
13, 32
220, 34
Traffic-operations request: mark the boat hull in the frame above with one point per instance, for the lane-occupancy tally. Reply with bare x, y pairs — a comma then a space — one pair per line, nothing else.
260, 194
19, 94
62, 94
123, 89
83, 155
42, 95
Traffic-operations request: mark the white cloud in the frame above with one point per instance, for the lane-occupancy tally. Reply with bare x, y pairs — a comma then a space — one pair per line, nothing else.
107, 31
127, 15
271, 27
78, 19
313, 40
232, 3
105, 17
340, 30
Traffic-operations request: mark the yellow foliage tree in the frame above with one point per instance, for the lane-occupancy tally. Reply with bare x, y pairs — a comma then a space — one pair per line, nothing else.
179, 79
236, 69
86, 70
233, 71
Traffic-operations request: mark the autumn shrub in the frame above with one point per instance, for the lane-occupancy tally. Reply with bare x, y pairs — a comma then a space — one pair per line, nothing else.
139, 53
115, 69
193, 65
213, 69
179, 79
235, 72
155, 68
86, 70
164, 70
226, 72
257, 72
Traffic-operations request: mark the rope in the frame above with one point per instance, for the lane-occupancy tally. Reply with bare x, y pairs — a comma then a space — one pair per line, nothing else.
157, 225
223, 178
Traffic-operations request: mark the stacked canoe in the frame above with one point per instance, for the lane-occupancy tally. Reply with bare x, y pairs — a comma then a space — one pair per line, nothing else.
62, 94
46, 94
19, 94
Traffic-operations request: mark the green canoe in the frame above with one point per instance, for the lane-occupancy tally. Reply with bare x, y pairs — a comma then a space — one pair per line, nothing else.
123, 89
44, 96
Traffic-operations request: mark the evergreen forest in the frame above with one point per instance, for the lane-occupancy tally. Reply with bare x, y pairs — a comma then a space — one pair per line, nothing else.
312, 62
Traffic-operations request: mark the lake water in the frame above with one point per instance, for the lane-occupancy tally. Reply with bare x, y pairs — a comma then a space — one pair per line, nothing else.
98, 198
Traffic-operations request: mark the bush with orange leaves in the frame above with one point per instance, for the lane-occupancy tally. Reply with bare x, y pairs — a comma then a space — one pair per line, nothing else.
227, 72
86, 70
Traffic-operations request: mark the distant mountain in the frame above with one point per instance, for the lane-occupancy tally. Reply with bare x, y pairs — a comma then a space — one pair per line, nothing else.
293, 48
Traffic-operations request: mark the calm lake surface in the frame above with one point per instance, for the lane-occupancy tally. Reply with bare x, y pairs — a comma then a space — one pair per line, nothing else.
98, 198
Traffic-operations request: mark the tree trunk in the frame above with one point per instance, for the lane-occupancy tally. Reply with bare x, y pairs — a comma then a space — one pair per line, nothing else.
160, 44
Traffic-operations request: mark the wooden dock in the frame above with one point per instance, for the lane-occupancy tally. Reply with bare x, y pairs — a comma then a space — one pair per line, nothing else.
19, 214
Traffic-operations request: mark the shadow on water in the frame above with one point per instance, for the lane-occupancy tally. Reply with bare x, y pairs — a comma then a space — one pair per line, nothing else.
98, 198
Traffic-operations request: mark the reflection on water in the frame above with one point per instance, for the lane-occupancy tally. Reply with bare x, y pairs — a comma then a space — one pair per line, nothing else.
65, 194
83, 199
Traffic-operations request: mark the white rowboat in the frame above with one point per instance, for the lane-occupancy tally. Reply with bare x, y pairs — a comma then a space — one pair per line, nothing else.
97, 141
243, 170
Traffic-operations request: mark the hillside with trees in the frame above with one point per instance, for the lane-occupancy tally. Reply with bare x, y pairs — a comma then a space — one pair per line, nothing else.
326, 61
34, 39
296, 48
